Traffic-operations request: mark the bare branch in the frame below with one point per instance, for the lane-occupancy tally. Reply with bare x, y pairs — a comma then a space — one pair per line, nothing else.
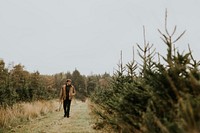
158, 56
160, 32
141, 56
191, 54
179, 37
163, 40
144, 35
133, 54
166, 23
173, 31
140, 48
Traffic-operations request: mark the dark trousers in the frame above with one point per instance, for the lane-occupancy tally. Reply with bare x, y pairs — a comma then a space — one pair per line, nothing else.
66, 106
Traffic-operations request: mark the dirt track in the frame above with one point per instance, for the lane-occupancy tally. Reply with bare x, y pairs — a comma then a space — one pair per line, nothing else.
78, 122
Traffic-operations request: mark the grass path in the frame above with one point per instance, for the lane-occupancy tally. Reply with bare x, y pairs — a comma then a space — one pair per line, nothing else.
79, 121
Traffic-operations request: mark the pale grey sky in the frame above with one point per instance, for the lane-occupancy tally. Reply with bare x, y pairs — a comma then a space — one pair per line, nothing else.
54, 36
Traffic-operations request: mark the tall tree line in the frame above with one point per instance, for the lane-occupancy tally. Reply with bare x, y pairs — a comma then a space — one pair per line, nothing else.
17, 84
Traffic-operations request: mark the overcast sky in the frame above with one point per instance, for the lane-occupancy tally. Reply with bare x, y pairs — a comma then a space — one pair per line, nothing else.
54, 36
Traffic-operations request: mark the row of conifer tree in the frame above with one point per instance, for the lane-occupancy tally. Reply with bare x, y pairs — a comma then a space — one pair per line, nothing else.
158, 96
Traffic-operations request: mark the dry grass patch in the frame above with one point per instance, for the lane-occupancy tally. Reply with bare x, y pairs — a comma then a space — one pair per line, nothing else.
12, 116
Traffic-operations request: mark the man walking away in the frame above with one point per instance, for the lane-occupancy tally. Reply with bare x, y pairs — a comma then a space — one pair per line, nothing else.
66, 94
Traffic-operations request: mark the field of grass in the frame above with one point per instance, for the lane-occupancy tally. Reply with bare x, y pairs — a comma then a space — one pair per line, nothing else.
24, 112
45, 117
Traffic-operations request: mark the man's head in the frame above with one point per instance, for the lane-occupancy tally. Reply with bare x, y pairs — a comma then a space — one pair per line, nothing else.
68, 81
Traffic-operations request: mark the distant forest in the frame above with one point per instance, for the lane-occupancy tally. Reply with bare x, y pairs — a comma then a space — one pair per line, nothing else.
19, 85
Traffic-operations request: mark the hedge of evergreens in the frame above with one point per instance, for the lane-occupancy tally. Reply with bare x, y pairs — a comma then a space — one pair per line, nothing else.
155, 97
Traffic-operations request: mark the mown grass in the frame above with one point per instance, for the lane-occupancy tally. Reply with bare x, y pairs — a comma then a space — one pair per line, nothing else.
24, 112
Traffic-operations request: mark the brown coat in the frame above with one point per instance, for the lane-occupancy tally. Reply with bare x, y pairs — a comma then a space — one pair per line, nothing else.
72, 92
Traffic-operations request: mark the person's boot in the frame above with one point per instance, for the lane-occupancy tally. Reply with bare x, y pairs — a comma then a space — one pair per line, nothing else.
65, 115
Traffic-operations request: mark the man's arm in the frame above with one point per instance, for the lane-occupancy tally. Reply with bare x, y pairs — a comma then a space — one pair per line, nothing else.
74, 91
61, 93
